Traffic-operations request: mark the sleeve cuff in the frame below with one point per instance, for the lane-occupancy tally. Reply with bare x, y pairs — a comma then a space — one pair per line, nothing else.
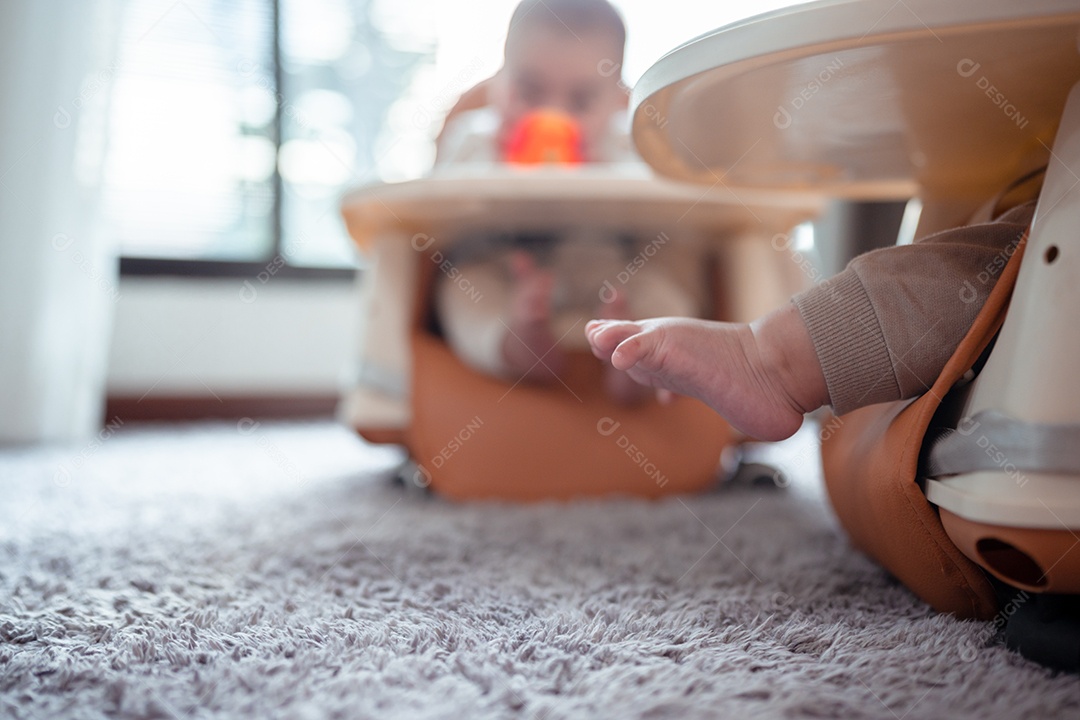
849, 343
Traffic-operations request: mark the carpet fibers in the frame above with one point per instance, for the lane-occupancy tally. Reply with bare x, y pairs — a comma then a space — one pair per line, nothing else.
271, 570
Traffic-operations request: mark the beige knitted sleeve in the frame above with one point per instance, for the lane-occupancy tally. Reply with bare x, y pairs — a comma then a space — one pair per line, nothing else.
885, 326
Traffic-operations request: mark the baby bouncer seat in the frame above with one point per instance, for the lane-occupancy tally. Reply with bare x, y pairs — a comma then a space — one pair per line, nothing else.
475, 436
970, 494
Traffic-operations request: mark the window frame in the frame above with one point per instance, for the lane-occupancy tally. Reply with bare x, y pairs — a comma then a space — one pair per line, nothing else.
149, 266
191, 267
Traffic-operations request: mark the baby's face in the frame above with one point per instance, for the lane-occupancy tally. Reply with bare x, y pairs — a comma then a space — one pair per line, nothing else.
548, 69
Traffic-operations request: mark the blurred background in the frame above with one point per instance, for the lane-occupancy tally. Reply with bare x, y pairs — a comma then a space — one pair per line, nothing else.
170, 170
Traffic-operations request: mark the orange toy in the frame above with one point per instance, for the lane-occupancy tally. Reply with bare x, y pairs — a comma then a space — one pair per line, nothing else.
544, 136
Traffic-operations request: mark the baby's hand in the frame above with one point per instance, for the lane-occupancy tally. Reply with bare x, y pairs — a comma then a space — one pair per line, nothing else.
533, 286
746, 378
529, 349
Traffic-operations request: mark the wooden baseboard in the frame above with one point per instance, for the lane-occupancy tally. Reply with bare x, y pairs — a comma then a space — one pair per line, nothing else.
225, 407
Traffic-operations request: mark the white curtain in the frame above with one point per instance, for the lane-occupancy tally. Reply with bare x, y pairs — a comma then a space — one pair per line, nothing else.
58, 279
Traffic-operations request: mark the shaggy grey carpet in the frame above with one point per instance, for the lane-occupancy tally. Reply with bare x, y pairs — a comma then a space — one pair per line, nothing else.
272, 571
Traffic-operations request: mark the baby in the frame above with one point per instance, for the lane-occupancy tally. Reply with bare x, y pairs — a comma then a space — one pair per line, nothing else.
557, 56
537, 290
881, 330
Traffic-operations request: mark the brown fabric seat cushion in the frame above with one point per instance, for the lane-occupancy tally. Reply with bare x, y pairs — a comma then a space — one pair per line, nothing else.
871, 464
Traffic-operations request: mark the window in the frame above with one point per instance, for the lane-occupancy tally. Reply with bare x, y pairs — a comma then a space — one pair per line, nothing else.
235, 125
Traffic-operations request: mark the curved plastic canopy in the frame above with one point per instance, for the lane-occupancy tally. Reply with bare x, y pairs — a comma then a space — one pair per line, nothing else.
865, 98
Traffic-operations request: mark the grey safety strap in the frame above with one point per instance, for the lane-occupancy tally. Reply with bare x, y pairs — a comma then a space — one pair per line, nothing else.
991, 440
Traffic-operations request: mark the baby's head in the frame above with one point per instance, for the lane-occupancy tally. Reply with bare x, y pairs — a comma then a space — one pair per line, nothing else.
564, 55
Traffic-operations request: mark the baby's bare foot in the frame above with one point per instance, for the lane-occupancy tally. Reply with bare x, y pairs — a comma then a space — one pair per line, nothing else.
762, 378
529, 348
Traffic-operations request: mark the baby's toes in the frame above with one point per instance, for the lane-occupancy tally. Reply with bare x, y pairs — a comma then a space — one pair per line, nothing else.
630, 352
642, 351
616, 309
606, 335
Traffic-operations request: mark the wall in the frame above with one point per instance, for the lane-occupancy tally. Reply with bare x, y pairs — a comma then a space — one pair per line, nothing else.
183, 336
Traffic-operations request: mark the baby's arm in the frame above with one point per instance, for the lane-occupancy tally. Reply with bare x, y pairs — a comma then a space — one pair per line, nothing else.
884, 328
761, 377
